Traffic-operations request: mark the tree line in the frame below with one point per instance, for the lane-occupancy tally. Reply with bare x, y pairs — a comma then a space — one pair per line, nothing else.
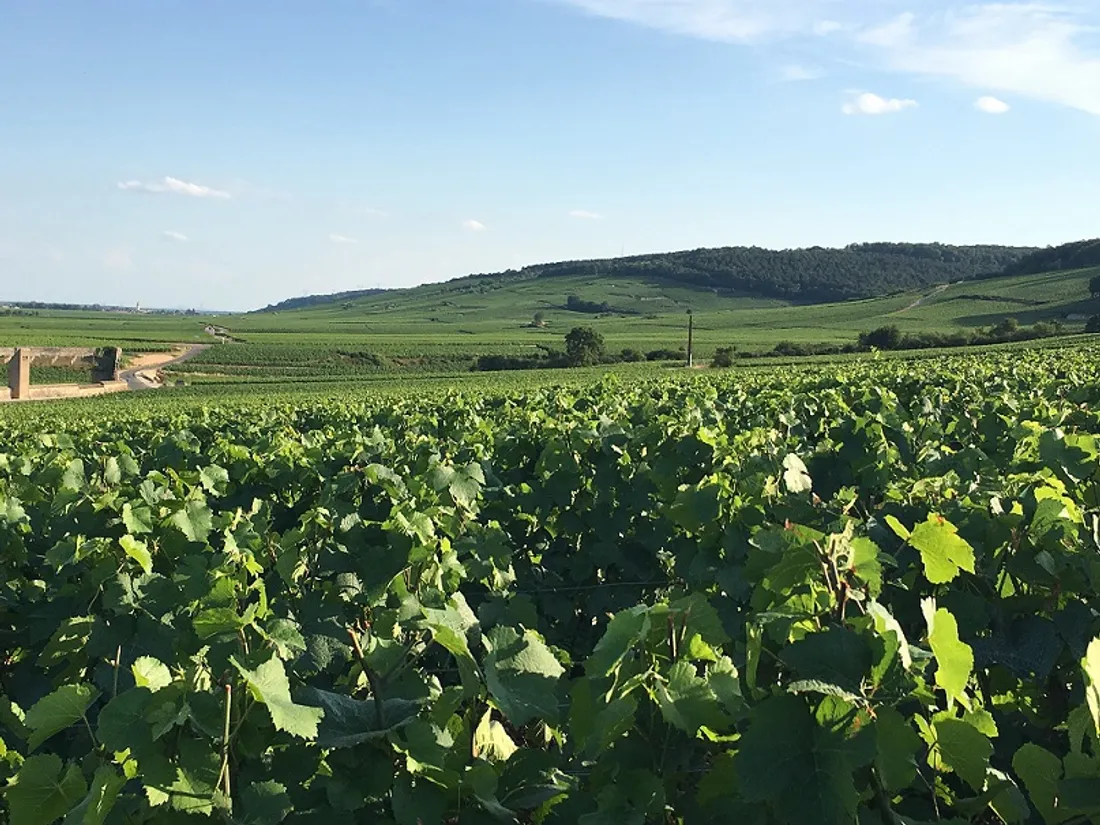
812, 275
1069, 256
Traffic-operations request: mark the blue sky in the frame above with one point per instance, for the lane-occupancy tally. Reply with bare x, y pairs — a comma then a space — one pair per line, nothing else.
226, 154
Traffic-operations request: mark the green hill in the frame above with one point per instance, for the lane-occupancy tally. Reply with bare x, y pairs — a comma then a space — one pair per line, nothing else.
815, 275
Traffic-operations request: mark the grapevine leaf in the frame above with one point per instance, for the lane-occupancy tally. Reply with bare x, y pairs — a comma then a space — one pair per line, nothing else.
286, 637
802, 770
194, 521
696, 507
121, 723
151, 673
73, 477
898, 745
1040, 770
214, 479
1005, 797
886, 623
1080, 794
195, 787
866, 565
449, 627
1091, 667
955, 745
43, 791
417, 802
265, 803
625, 629
61, 709
11, 510
954, 659
138, 520
349, 722
491, 741
139, 552
837, 656
269, 684
688, 702
899, 529
217, 620
943, 552
795, 475
522, 675
101, 799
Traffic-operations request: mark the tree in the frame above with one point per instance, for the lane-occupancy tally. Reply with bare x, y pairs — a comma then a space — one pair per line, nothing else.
1006, 328
1093, 324
882, 338
1094, 286
723, 357
539, 319
583, 346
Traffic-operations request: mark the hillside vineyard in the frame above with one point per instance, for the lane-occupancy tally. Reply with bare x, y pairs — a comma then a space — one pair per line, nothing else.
857, 593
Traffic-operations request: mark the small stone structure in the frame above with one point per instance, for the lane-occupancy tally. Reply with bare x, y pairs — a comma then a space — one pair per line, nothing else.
19, 374
103, 364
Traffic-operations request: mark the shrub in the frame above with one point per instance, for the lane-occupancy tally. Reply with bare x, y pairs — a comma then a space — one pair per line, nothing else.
723, 357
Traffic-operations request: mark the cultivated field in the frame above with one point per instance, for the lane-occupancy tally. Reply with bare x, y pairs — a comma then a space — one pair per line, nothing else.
443, 328
852, 592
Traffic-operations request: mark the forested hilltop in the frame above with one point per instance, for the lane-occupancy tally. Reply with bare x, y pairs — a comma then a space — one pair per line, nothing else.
1076, 255
814, 275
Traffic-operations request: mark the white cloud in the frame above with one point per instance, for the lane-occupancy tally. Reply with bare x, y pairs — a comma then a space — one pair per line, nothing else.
867, 103
890, 34
1026, 49
1041, 49
335, 238
474, 226
991, 105
585, 215
172, 235
725, 20
796, 73
174, 186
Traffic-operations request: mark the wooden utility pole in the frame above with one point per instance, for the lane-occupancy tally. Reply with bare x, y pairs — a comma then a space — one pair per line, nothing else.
691, 338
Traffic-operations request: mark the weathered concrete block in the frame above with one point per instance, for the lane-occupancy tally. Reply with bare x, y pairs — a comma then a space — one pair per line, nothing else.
19, 374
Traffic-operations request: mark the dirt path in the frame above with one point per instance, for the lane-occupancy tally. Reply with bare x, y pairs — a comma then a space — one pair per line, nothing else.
924, 298
137, 375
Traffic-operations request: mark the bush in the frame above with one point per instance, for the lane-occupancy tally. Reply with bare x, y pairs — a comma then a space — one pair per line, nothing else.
1093, 324
888, 337
632, 356
723, 357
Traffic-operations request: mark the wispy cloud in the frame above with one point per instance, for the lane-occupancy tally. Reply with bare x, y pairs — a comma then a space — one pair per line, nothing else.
796, 73
866, 103
729, 20
172, 235
1041, 49
174, 186
474, 226
1029, 49
337, 238
991, 105
585, 215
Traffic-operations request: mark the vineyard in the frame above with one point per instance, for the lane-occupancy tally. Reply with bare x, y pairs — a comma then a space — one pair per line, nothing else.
864, 592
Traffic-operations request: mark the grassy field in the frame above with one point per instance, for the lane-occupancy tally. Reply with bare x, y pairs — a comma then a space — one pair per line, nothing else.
441, 328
